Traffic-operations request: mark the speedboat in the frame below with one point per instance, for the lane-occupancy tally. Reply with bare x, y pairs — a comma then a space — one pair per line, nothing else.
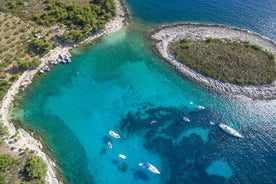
114, 134
212, 123
122, 156
149, 167
186, 119
230, 130
199, 107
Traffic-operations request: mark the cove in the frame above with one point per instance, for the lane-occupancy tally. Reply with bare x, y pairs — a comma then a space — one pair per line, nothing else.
120, 84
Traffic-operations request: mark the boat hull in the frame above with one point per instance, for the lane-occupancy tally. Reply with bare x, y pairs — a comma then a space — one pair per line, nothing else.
230, 130
149, 167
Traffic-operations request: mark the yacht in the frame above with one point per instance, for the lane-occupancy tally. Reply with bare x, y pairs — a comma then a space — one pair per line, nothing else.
149, 167
230, 130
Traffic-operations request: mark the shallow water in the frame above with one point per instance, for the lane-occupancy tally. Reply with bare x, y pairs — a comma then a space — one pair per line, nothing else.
120, 84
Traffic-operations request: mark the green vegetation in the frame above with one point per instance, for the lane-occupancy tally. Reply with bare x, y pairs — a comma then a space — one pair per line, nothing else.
3, 130
14, 169
39, 46
5, 161
185, 43
36, 168
4, 86
26, 64
81, 19
240, 63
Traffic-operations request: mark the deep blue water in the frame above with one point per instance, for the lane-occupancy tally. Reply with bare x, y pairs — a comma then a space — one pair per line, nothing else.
120, 84
255, 15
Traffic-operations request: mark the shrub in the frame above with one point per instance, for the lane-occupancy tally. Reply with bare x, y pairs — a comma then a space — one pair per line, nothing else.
185, 40
3, 130
2, 179
247, 44
4, 86
36, 168
13, 78
270, 55
256, 47
24, 64
209, 40
11, 5
185, 45
5, 161
40, 46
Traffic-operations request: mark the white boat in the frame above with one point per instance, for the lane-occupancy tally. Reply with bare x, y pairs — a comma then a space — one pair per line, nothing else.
230, 130
114, 134
199, 107
122, 156
109, 145
212, 123
153, 122
149, 167
186, 119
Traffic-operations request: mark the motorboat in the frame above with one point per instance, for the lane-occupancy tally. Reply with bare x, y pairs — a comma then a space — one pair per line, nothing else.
149, 167
122, 156
186, 119
212, 123
230, 130
109, 145
114, 134
199, 107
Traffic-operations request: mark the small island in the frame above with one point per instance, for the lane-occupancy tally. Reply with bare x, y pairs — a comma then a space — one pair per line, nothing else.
227, 60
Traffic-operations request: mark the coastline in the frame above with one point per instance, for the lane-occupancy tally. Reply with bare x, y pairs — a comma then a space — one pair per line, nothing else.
26, 141
170, 33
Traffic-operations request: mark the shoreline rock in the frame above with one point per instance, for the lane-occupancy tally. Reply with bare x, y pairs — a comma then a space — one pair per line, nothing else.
26, 140
170, 33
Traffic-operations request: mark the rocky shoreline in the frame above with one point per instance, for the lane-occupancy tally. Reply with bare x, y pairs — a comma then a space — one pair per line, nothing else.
167, 34
26, 140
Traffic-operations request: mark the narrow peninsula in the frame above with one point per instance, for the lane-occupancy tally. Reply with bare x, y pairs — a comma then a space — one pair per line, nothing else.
227, 60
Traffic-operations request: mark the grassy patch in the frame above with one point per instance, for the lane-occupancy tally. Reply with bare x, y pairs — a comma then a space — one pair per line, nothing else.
240, 63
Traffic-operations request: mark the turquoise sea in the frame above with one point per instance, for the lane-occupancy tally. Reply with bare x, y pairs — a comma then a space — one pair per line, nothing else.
121, 84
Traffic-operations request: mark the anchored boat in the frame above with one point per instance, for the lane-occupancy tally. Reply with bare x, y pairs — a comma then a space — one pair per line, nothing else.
109, 144
114, 134
149, 167
230, 130
186, 119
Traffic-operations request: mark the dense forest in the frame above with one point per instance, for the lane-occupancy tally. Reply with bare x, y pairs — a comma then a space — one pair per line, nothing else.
80, 19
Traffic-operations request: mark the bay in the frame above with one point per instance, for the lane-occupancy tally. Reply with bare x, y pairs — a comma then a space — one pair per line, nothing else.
120, 84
